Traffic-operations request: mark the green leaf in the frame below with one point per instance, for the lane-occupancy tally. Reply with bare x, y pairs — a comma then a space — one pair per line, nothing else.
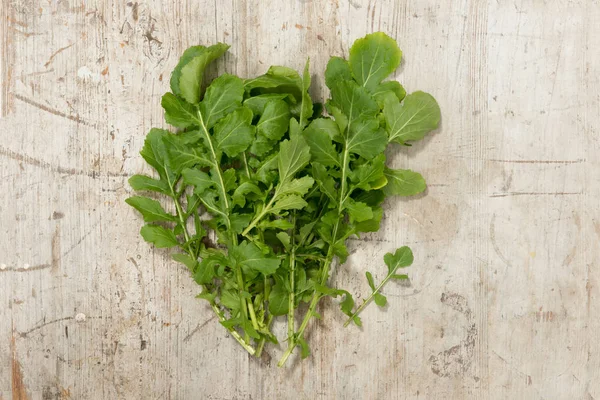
370, 225
273, 123
304, 349
224, 95
142, 182
369, 175
366, 138
354, 101
399, 277
388, 91
277, 80
186, 260
318, 136
178, 112
160, 237
242, 191
200, 180
370, 280
358, 211
239, 221
150, 209
294, 154
296, 186
284, 238
403, 182
292, 202
248, 255
412, 119
234, 133
325, 181
258, 103
306, 109
154, 151
380, 299
373, 58
347, 304
187, 76
182, 155
337, 70
403, 257
279, 300
282, 224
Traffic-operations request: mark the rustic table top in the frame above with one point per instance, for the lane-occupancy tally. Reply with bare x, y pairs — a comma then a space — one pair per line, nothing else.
504, 292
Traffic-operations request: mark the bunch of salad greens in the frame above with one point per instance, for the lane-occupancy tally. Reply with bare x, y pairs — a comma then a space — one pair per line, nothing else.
266, 189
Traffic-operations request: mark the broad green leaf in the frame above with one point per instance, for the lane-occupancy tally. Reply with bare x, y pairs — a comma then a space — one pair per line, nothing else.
412, 119
265, 172
388, 91
370, 225
282, 224
318, 139
277, 80
284, 238
347, 304
292, 202
337, 69
258, 103
403, 182
234, 133
182, 155
262, 145
358, 211
278, 300
154, 151
403, 257
229, 179
380, 299
248, 255
294, 154
368, 176
366, 138
304, 348
160, 237
188, 75
239, 221
325, 181
150, 209
186, 260
340, 120
178, 112
142, 182
354, 101
373, 58
224, 95
273, 123
242, 191
200, 180
296, 186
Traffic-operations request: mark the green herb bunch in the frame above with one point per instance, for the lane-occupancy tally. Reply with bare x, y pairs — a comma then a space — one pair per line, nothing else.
266, 190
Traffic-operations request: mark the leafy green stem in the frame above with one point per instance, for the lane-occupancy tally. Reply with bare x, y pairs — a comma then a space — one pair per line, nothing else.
291, 300
263, 212
367, 300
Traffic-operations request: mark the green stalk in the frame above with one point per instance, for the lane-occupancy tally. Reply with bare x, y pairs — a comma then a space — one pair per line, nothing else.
215, 308
324, 272
291, 300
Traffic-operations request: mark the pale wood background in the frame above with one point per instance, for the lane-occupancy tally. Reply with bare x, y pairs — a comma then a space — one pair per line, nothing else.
504, 294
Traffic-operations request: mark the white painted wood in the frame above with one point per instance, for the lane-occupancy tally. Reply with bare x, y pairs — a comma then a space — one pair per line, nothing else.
503, 297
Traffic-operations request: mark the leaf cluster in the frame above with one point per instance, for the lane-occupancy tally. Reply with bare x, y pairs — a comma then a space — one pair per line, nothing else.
264, 189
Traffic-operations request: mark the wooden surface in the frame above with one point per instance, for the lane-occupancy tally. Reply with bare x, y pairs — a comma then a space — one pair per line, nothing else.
503, 298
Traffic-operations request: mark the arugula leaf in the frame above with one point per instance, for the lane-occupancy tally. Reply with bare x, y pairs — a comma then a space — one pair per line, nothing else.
159, 236
373, 58
412, 119
403, 182
142, 182
150, 209
186, 79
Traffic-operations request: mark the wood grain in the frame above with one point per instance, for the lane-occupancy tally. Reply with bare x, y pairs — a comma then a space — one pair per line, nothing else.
503, 297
